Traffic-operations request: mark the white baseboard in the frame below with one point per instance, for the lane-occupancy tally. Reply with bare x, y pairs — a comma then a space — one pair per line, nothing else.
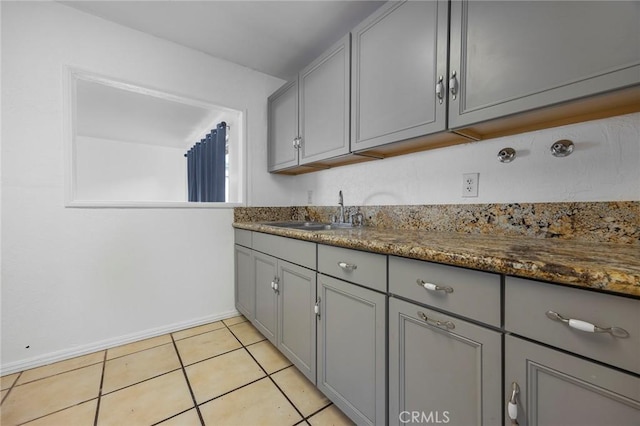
62, 355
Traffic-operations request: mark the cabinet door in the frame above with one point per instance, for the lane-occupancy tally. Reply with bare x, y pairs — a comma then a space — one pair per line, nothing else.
445, 374
556, 388
245, 288
324, 104
351, 349
266, 316
399, 53
297, 320
515, 56
283, 127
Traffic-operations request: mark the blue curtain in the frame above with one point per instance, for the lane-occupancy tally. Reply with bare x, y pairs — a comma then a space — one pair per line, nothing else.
206, 167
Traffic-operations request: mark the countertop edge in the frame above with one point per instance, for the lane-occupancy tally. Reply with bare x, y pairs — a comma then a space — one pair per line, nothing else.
595, 277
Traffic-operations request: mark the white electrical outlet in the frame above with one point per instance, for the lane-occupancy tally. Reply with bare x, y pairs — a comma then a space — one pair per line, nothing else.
470, 184
309, 197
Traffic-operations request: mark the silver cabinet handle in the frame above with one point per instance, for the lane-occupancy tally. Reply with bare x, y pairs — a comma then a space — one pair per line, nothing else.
512, 404
347, 266
587, 326
433, 287
440, 90
447, 324
316, 308
295, 143
453, 85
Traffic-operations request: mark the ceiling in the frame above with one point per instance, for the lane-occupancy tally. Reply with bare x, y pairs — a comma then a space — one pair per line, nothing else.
275, 37
115, 114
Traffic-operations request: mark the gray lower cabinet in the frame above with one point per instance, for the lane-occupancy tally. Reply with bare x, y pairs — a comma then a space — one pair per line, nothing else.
266, 318
442, 369
245, 288
510, 57
399, 54
296, 317
556, 388
351, 349
285, 298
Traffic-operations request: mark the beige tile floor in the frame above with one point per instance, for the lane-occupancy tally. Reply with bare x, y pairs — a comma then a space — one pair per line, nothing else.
223, 373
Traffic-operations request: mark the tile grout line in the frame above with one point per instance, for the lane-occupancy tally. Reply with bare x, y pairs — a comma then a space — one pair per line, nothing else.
232, 390
55, 412
197, 334
318, 411
104, 367
56, 374
141, 350
13, 385
305, 419
141, 381
104, 360
186, 378
169, 418
268, 375
287, 398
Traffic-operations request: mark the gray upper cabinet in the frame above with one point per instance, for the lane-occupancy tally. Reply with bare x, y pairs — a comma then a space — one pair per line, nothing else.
309, 117
510, 57
324, 104
283, 127
351, 349
555, 388
399, 54
444, 367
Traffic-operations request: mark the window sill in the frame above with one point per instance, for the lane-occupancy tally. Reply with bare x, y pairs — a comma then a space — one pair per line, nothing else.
149, 205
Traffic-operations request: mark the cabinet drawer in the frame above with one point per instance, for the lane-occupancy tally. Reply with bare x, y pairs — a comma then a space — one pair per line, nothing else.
527, 303
243, 237
474, 294
295, 251
367, 269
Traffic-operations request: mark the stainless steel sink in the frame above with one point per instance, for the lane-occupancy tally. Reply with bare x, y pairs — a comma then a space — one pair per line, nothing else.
309, 226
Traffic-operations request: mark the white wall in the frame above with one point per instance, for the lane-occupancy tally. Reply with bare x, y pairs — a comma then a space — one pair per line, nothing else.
74, 280
115, 170
605, 166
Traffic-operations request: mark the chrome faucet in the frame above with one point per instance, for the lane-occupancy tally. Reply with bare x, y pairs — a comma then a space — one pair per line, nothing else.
341, 204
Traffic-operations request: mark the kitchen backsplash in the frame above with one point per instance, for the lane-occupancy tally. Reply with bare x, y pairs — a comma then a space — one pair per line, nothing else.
611, 222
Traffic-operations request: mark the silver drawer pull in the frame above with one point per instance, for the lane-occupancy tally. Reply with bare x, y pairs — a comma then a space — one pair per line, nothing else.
447, 324
512, 405
440, 89
433, 287
587, 326
348, 266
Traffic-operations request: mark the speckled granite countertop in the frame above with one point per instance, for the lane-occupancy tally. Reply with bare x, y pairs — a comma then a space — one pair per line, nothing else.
610, 267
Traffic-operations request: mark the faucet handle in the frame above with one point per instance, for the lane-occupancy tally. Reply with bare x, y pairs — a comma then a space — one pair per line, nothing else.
356, 219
